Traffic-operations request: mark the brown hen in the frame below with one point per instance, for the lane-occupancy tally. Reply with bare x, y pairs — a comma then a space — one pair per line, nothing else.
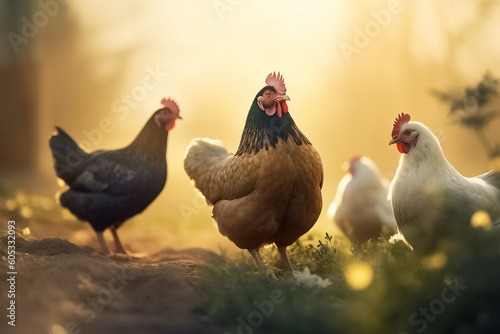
269, 191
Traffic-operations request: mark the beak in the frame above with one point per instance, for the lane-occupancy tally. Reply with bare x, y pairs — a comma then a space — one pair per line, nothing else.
283, 97
394, 140
178, 117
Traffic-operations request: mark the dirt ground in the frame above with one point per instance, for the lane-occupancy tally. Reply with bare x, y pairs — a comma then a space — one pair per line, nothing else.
65, 288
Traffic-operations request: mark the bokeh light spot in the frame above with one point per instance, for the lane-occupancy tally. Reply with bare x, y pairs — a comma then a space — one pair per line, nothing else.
57, 329
481, 219
10, 204
359, 275
26, 231
26, 212
435, 261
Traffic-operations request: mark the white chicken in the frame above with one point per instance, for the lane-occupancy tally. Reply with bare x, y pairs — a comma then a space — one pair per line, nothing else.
361, 209
430, 198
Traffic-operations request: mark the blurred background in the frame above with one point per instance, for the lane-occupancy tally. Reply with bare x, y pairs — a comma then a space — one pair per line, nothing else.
350, 67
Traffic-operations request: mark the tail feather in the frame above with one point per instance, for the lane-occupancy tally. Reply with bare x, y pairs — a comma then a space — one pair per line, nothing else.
68, 156
203, 156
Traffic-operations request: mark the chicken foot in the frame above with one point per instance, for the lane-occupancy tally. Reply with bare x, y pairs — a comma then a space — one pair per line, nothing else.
267, 271
118, 245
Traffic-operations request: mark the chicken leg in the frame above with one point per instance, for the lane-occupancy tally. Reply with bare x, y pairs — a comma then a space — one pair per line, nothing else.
102, 242
286, 261
118, 245
258, 259
270, 272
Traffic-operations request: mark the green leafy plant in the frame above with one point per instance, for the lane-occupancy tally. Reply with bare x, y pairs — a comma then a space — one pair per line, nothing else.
403, 289
475, 110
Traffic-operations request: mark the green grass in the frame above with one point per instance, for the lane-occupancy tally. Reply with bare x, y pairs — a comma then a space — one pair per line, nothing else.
404, 285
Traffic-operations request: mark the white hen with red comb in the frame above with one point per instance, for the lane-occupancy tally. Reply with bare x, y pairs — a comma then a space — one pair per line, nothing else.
430, 198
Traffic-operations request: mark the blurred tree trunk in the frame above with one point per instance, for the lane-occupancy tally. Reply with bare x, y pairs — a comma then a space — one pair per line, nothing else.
18, 93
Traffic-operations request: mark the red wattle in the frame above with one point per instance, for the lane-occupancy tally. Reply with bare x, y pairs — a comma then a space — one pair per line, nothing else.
170, 125
284, 106
400, 149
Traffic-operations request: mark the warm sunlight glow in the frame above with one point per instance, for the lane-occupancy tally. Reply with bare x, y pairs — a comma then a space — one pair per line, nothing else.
10, 204
435, 261
359, 275
397, 237
26, 212
481, 219
21, 198
26, 231
46, 203
66, 215
349, 67
495, 164
57, 329
267, 197
83, 237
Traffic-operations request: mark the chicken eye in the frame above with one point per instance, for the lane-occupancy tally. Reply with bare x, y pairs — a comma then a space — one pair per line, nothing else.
267, 94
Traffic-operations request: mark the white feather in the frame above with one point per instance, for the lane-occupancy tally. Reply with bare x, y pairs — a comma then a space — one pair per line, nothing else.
361, 208
428, 192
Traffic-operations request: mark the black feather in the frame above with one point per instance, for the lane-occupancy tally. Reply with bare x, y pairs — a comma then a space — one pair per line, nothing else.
108, 187
68, 156
262, 131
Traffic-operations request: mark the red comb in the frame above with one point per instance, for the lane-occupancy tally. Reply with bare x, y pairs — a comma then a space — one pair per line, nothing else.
277, 82
170, 104
400, 120
352, 162
354, 159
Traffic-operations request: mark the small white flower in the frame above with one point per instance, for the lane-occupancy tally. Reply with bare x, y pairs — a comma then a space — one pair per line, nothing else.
309, 280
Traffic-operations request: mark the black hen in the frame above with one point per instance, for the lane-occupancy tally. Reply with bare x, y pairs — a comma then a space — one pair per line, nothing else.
108, 187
